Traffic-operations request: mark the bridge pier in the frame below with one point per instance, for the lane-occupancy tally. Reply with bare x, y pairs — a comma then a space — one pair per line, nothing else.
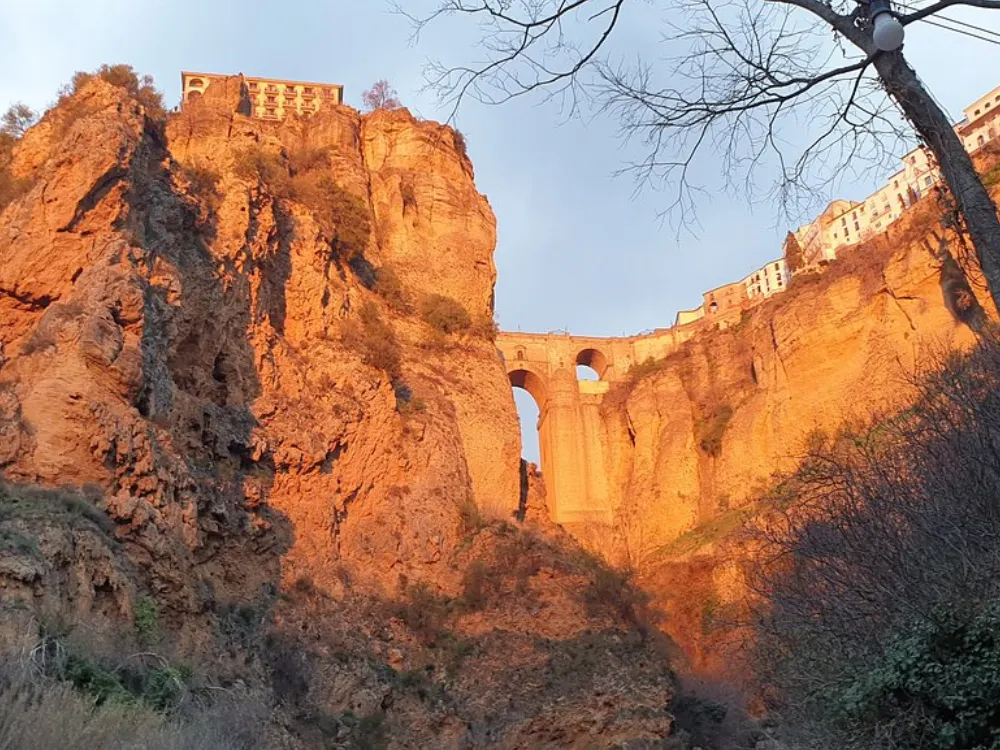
574, 458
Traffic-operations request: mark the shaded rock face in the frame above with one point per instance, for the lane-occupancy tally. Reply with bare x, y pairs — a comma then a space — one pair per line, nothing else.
176, 334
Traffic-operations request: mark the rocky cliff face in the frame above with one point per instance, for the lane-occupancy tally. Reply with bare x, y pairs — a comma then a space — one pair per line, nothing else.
213, 326
705, 431
696, 442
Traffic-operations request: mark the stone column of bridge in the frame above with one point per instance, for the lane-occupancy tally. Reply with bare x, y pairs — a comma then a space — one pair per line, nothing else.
570, 427
574, 458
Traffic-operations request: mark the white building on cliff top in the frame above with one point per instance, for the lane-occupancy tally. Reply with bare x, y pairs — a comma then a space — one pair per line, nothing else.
845, 223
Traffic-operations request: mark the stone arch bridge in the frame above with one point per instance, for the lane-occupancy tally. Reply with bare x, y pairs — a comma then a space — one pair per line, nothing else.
573, 447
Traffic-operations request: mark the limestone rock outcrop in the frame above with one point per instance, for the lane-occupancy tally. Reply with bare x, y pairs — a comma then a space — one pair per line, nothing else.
311, 481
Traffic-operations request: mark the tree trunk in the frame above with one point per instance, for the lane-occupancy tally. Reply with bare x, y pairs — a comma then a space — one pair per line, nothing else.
970, 194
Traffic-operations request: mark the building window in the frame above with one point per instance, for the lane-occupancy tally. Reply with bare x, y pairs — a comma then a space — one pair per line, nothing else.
977, 112
895, 183
986, 106
835, 235
980, 140
713, 306
271, 112
196, 82
857, 228
913, 160
271, 100
843, 220
927, 180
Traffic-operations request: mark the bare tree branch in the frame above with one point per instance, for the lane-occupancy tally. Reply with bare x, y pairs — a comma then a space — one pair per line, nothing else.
753, 86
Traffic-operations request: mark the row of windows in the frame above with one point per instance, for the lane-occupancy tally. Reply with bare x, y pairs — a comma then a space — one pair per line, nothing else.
291, 90
987, 105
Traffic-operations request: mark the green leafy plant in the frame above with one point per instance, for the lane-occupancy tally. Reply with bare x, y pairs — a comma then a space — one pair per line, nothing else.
146, 620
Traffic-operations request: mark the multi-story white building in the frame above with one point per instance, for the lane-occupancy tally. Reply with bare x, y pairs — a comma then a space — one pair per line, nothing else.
845, 223
769, 279
268, 98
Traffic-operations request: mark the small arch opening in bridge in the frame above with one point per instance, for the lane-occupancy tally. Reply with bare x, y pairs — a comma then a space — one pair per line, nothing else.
591, 365
529, 397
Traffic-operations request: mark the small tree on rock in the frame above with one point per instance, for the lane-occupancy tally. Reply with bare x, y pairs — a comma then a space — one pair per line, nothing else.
795, 256
380, 96
17, 119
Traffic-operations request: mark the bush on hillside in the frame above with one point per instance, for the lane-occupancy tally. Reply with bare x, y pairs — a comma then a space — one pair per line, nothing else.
877, 622
373, 338
141, 88
204, 184
89, 707
16, 120
305, 176
445, 314
390, 288
710, 428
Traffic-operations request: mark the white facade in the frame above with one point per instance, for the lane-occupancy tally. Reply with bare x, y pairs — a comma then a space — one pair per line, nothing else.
769, 279
845, 223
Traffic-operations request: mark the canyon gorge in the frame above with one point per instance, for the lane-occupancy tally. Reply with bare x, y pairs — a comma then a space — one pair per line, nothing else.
249, 378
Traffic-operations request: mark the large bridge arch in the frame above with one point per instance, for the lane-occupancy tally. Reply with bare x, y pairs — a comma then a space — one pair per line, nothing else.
595, 360
530, 381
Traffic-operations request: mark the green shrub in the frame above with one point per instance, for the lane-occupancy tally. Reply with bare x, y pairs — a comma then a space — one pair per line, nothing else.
240, 625
936, 687
445, 314
204, 184
423, 612
406, 403
370, 733
711, 427
305, 177
992, 176
389, 287
640, 370
255, 165
373, 338
146, 620
476, 586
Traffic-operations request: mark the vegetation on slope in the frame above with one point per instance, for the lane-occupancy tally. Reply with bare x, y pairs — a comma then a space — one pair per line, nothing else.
876, 617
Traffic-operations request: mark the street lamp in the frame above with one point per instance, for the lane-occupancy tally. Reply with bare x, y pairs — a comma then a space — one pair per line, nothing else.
888, 31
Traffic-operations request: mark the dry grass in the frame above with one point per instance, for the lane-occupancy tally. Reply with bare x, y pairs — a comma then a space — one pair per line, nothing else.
38, 713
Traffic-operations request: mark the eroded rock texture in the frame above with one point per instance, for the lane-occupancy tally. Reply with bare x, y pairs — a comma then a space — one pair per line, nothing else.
192, 339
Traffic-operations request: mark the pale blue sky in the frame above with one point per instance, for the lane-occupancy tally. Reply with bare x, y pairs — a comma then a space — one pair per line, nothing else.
577, 249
